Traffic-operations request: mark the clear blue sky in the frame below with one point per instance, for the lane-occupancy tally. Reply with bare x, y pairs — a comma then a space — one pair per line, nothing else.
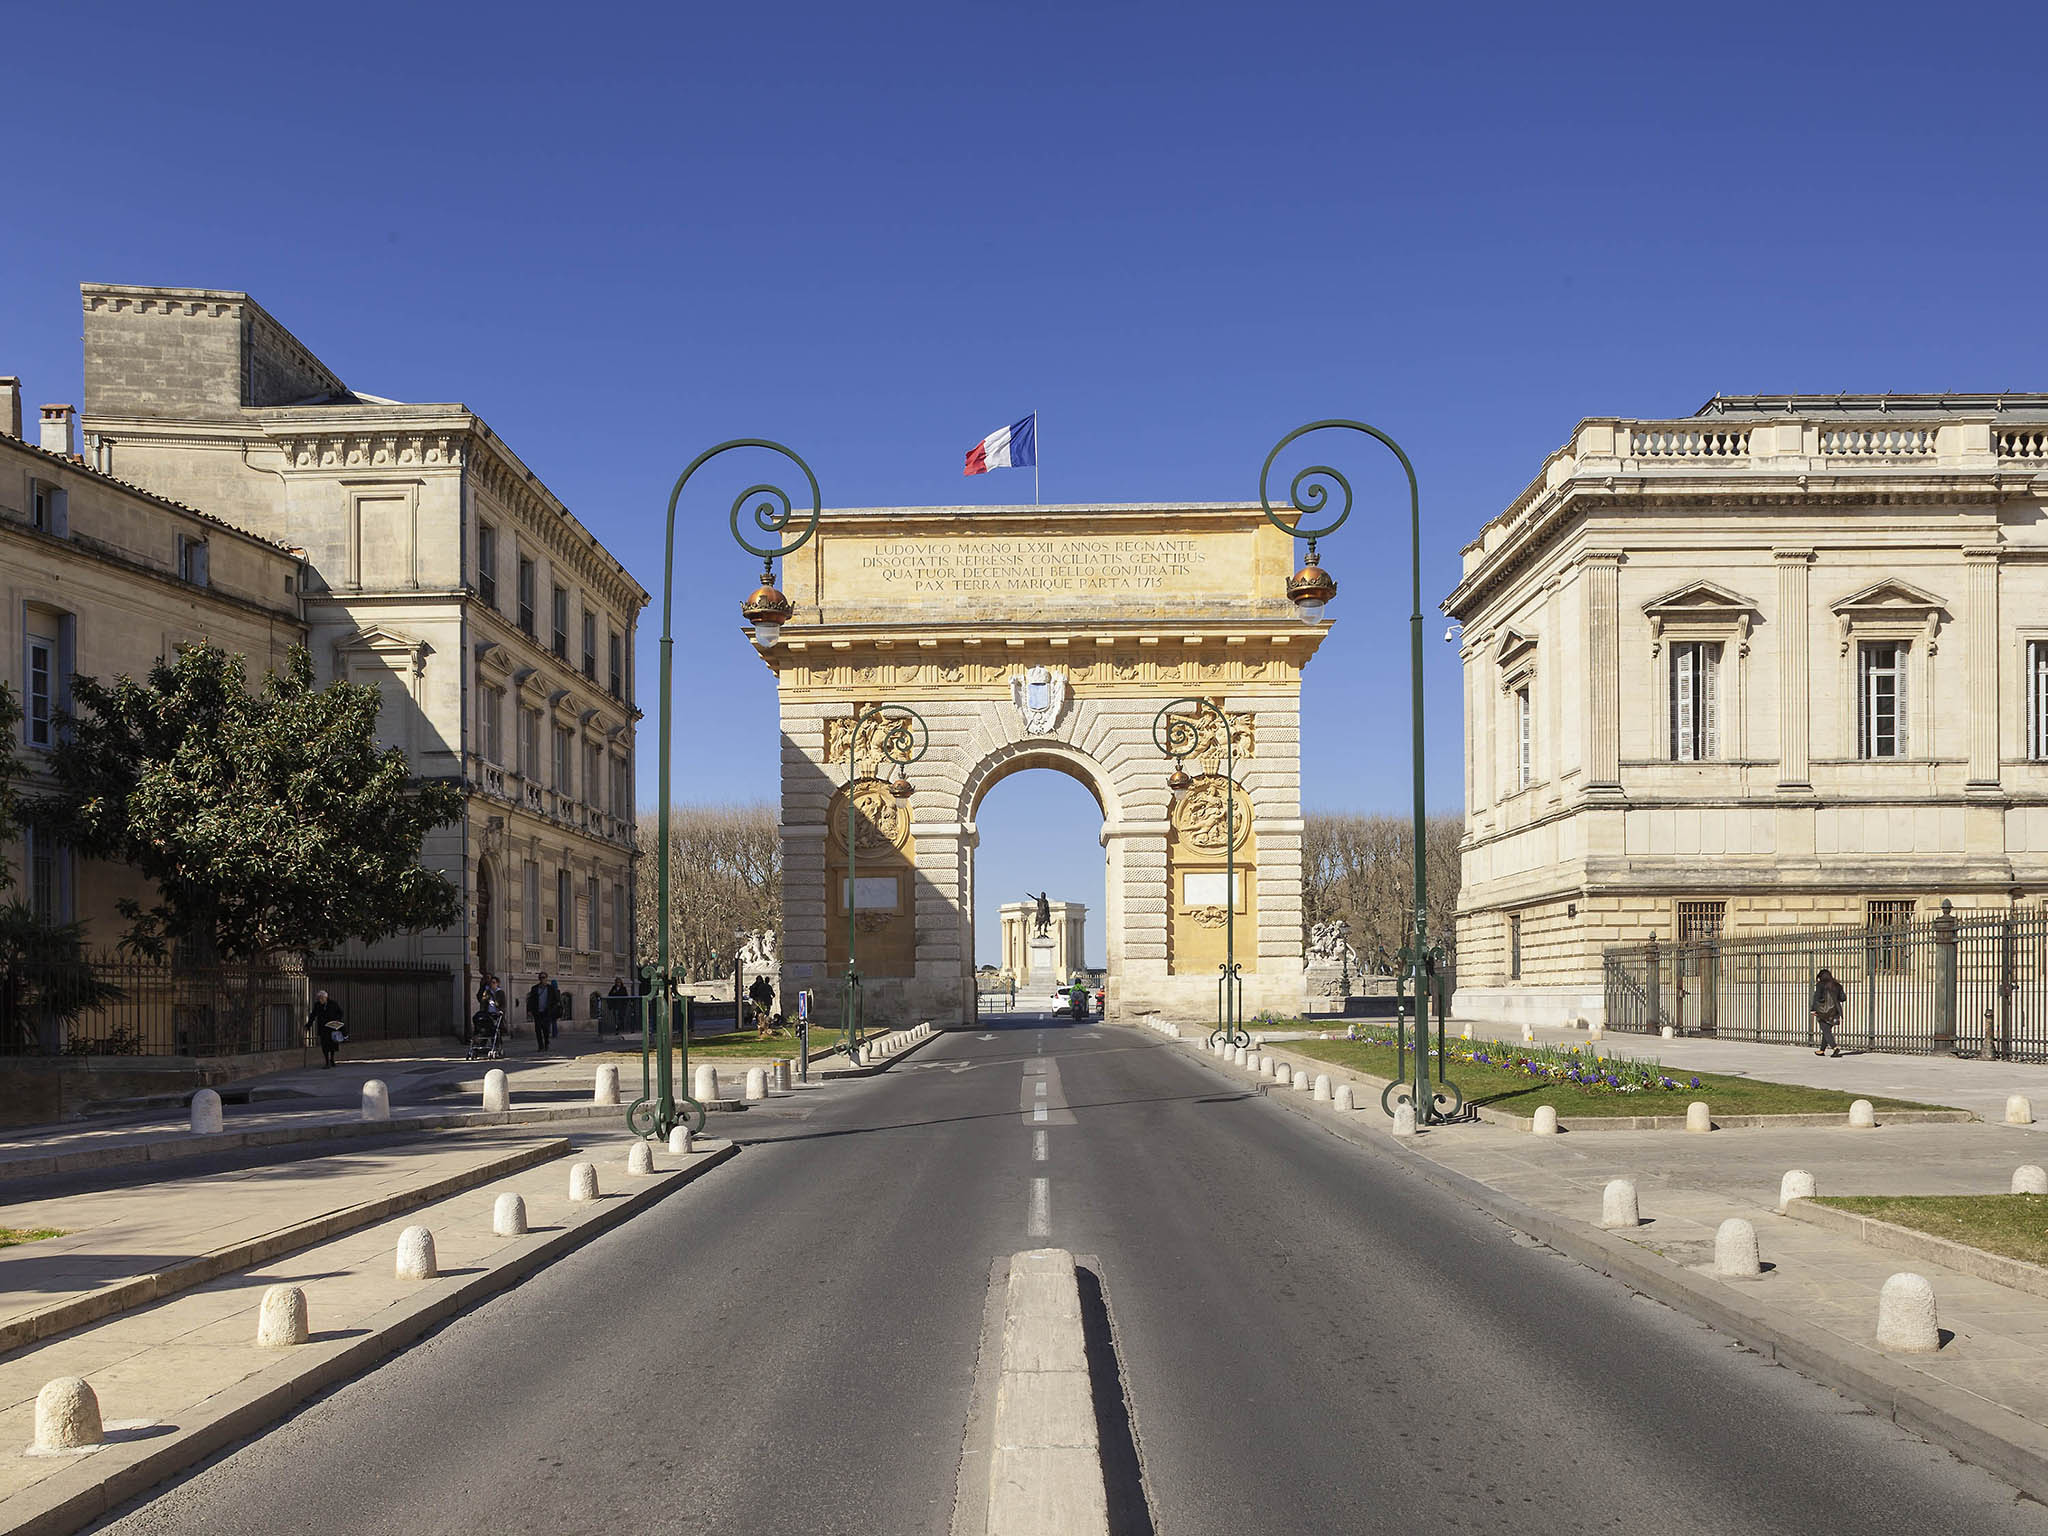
879, 232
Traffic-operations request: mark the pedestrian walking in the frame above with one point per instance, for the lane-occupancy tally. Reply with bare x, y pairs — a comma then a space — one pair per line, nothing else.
543, 1006
762, 995
1826, 1007
324, 1020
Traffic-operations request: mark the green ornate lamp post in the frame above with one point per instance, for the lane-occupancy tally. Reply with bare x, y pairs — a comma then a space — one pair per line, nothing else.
1179, 736
659, 1108
1311, 588
900, 738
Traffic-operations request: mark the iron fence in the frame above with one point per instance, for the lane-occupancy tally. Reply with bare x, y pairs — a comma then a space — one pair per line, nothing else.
125, 1005
1971, 983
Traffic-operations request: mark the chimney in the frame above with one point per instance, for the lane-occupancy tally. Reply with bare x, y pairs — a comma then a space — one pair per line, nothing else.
10, 406
59, 430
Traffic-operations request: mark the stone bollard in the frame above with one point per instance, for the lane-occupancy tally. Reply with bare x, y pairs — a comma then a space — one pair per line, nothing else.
679, 1140
281, 1322
1467, 1033
1618, 1208
606, 1089
1404, 1119
1528, 1034
1796, 1185
376, 1100
1544, 1121
1346, 1098
205, 1116
1301, 1082
67, 1416
583, 1181
1254, 1062
1735, 1251
1320, 1089
1906, 1321
416, 1254
1698, 1117
2018, 1110
497, 1097
2030, 1179
1668, 1032
640, 1160
508, 1216
781, 1074
704, 1085
1861, 1116
1283, 1072
757, 1085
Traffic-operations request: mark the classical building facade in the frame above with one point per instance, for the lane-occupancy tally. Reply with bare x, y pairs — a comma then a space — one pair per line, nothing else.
1047, 959
440, 570
1783, 663
1043, 637
104, 579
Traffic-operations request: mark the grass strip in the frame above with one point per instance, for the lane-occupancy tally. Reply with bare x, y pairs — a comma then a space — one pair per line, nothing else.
12, 1237
1506, 1088
2015, 1226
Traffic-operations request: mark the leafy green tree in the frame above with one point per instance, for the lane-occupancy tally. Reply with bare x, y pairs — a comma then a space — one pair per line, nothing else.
270, 822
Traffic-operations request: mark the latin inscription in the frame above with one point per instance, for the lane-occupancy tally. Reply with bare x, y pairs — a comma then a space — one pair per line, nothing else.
1033, 567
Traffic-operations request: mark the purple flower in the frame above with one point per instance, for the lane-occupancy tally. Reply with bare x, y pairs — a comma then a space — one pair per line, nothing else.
1695, 1082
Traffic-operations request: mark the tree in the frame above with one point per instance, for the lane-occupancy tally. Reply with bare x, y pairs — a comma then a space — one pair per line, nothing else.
270, 822
725, 866
1360, 870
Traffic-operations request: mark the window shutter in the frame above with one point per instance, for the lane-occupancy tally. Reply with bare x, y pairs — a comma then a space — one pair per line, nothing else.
1903, 664
1710, 701
1683, 658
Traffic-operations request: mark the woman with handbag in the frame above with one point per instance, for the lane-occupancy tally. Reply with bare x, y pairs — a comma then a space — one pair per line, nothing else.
325, 1020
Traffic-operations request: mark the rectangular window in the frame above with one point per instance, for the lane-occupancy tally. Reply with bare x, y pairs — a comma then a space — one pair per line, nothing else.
559, 612
44, 892
492, 701
192, 563
1890, 949
593, 778
590, 645
1881, 698
42, 686
1514, 946
530, 902
526, 596
618, 667
1695, 701
487, 564
565, 911
561, 765
2037, 700
1525, 749
593, 915
622, 920
1700, 920
529, 743
622, 798
43, 512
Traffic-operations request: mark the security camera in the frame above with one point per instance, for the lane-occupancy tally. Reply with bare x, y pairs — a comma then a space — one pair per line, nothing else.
1453, 634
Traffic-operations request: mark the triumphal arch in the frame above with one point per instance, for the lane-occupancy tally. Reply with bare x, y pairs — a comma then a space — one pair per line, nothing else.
1042, 637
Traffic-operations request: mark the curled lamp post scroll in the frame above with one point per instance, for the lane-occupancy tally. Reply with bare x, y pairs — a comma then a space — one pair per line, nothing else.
659, 1108
901, 739
1179, 736
1308, 515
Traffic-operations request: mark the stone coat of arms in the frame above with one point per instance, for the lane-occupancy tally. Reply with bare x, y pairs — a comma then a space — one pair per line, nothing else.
1040, 693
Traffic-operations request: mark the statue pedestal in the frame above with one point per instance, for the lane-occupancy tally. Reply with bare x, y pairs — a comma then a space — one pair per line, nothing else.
1323, 987
1043, 973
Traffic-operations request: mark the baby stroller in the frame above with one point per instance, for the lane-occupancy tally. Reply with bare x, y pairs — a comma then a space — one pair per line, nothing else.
486, 1035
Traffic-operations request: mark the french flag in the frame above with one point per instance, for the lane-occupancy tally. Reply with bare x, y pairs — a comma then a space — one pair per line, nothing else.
1011, 447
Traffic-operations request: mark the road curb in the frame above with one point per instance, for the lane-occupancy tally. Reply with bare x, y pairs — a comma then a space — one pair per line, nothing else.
63, 1503
1973, 1428
1978, 1262
110, 1301
876, 1069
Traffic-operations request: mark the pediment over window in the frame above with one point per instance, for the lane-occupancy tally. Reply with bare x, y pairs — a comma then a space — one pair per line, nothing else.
1701, 610
1512, 647
379, 640
1891, 609
494, 658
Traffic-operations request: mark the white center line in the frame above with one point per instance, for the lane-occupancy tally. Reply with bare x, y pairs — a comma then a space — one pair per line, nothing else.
1040, 1223
1038, 1146
1041, 1087
1038, 1113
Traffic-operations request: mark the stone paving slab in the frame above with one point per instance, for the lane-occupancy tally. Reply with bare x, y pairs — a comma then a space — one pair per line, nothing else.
192, 1365
1984, 1395
123, 1248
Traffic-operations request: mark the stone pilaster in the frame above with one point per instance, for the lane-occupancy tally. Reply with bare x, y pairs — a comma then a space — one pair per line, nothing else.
1795, 650
1603, 666
1982, 618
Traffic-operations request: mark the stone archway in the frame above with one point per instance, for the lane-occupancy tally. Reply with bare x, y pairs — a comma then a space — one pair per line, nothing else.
1048, 637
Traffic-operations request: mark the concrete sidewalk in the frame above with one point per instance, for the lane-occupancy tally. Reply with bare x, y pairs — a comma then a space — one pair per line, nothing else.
1984, 1395
191, 1364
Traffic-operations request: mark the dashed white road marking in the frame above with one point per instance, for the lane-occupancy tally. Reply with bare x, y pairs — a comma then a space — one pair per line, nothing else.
1041, 1088
1040, 1222
1038, 1146
1038, 1113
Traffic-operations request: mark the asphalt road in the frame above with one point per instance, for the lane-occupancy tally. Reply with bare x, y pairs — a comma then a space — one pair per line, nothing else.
1312, 1340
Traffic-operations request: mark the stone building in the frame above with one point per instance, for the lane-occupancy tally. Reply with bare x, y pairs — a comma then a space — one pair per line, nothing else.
1048, 959
102, 578
1782, 663
439, 569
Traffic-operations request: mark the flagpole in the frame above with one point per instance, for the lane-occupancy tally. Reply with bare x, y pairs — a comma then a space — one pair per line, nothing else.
1034, 458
